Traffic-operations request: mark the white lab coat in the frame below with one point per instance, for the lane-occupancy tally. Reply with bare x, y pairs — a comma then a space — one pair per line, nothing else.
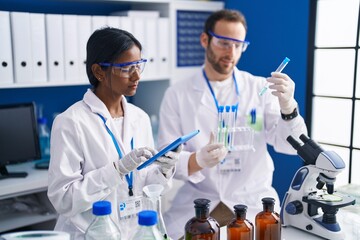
189, 105
81, 168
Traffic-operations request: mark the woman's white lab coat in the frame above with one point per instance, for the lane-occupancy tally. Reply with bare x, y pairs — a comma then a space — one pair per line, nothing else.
81, 169
189, 105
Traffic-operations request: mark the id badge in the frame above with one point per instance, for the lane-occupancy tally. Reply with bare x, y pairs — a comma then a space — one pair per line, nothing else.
130, 207
232, 163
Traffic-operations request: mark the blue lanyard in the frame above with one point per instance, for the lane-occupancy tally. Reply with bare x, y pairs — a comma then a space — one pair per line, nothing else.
212, 91
129, 177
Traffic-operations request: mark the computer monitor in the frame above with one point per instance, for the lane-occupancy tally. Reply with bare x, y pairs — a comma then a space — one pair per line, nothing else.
19, 140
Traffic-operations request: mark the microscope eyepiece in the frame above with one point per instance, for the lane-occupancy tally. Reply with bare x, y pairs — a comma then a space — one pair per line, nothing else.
304, 138
295, 144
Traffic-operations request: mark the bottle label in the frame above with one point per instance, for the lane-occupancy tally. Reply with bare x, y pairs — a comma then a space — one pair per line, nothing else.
130, 207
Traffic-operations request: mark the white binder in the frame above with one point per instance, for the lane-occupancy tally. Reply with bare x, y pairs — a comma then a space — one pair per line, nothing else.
150, 47
138, 26
98, 22
55, 47
6, 60
113, 21
125, 24
163, 47
38, 47
21, 39
71, 57
84, 32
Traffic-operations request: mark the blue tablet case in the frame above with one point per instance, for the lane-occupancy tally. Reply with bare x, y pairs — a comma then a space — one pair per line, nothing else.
169, 147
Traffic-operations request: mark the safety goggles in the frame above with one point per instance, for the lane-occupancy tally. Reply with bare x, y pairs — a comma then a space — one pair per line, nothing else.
227, 43
126, 69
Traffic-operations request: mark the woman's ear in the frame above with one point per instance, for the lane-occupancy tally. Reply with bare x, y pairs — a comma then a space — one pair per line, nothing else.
98, 72
204, 40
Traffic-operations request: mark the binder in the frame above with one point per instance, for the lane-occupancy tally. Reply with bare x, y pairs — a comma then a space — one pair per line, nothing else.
98, 22
125, 24
138, 27
113, 21
163, 47
150, 47
38, 47
6, 60
55, 47
21, 39
84, 32
71, 58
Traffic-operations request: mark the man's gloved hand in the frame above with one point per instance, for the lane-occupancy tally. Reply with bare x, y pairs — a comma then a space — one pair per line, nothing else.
133, 159
168, 161
211, 154
284, 88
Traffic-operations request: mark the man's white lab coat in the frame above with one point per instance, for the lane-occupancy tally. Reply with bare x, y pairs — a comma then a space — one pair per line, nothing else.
189, 105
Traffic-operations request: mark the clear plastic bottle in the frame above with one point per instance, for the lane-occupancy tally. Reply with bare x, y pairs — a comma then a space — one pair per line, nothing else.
147, 230
202, 226
44, 138
102, 227
267, 222
240, 228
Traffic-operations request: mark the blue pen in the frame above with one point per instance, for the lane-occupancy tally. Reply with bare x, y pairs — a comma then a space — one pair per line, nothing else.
279, 69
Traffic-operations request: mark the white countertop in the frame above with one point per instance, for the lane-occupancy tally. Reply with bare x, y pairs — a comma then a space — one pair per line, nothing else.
35, 181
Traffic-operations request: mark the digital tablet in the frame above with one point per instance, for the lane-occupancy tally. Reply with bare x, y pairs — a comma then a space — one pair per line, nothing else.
169, 147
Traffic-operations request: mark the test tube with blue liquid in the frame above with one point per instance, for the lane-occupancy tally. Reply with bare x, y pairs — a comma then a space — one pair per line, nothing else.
233, 126
279, 69
227, 125
220, 123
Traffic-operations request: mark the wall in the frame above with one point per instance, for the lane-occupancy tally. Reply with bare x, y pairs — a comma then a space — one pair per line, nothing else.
57, 99
277, 29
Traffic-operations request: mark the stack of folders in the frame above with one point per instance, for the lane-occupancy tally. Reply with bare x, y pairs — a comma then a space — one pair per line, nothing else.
38, 48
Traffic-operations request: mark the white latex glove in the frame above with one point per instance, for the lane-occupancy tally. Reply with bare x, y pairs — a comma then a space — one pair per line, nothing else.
284, 88
133, 159
211, 154
168, 161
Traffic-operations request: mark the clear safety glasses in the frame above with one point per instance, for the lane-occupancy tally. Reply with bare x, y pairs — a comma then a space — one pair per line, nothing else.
227, 43
126, 69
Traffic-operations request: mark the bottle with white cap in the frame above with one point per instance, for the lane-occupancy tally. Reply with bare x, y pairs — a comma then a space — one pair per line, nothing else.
102, 227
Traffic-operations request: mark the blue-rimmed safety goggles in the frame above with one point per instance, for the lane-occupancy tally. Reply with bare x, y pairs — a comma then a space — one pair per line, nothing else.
126, 69
226, 43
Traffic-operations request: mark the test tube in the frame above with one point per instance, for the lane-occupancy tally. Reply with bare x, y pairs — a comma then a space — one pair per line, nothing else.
227, 124
279, 69
220, 123
232, 126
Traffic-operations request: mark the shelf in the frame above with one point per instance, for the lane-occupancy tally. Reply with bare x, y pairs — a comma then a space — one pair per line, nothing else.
66, 84
17, 220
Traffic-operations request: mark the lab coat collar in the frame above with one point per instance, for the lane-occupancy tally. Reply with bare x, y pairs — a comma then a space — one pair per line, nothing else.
98, 107
200, 85
202, 88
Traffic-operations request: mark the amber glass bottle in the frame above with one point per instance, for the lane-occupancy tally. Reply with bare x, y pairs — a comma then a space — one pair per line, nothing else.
240, 228
202, 226
267, 222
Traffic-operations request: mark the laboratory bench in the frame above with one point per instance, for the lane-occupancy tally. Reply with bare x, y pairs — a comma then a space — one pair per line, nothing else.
348, 217
29, 195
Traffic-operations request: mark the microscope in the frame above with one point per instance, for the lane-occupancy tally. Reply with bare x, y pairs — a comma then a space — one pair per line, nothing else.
311, 203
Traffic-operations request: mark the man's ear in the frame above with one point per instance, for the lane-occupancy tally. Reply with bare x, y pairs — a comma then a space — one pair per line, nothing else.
204, 40
98, 72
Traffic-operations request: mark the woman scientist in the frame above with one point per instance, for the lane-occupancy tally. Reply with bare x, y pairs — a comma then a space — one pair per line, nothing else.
98, 142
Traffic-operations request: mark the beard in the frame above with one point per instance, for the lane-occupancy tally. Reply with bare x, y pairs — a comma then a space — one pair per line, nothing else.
216, 65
